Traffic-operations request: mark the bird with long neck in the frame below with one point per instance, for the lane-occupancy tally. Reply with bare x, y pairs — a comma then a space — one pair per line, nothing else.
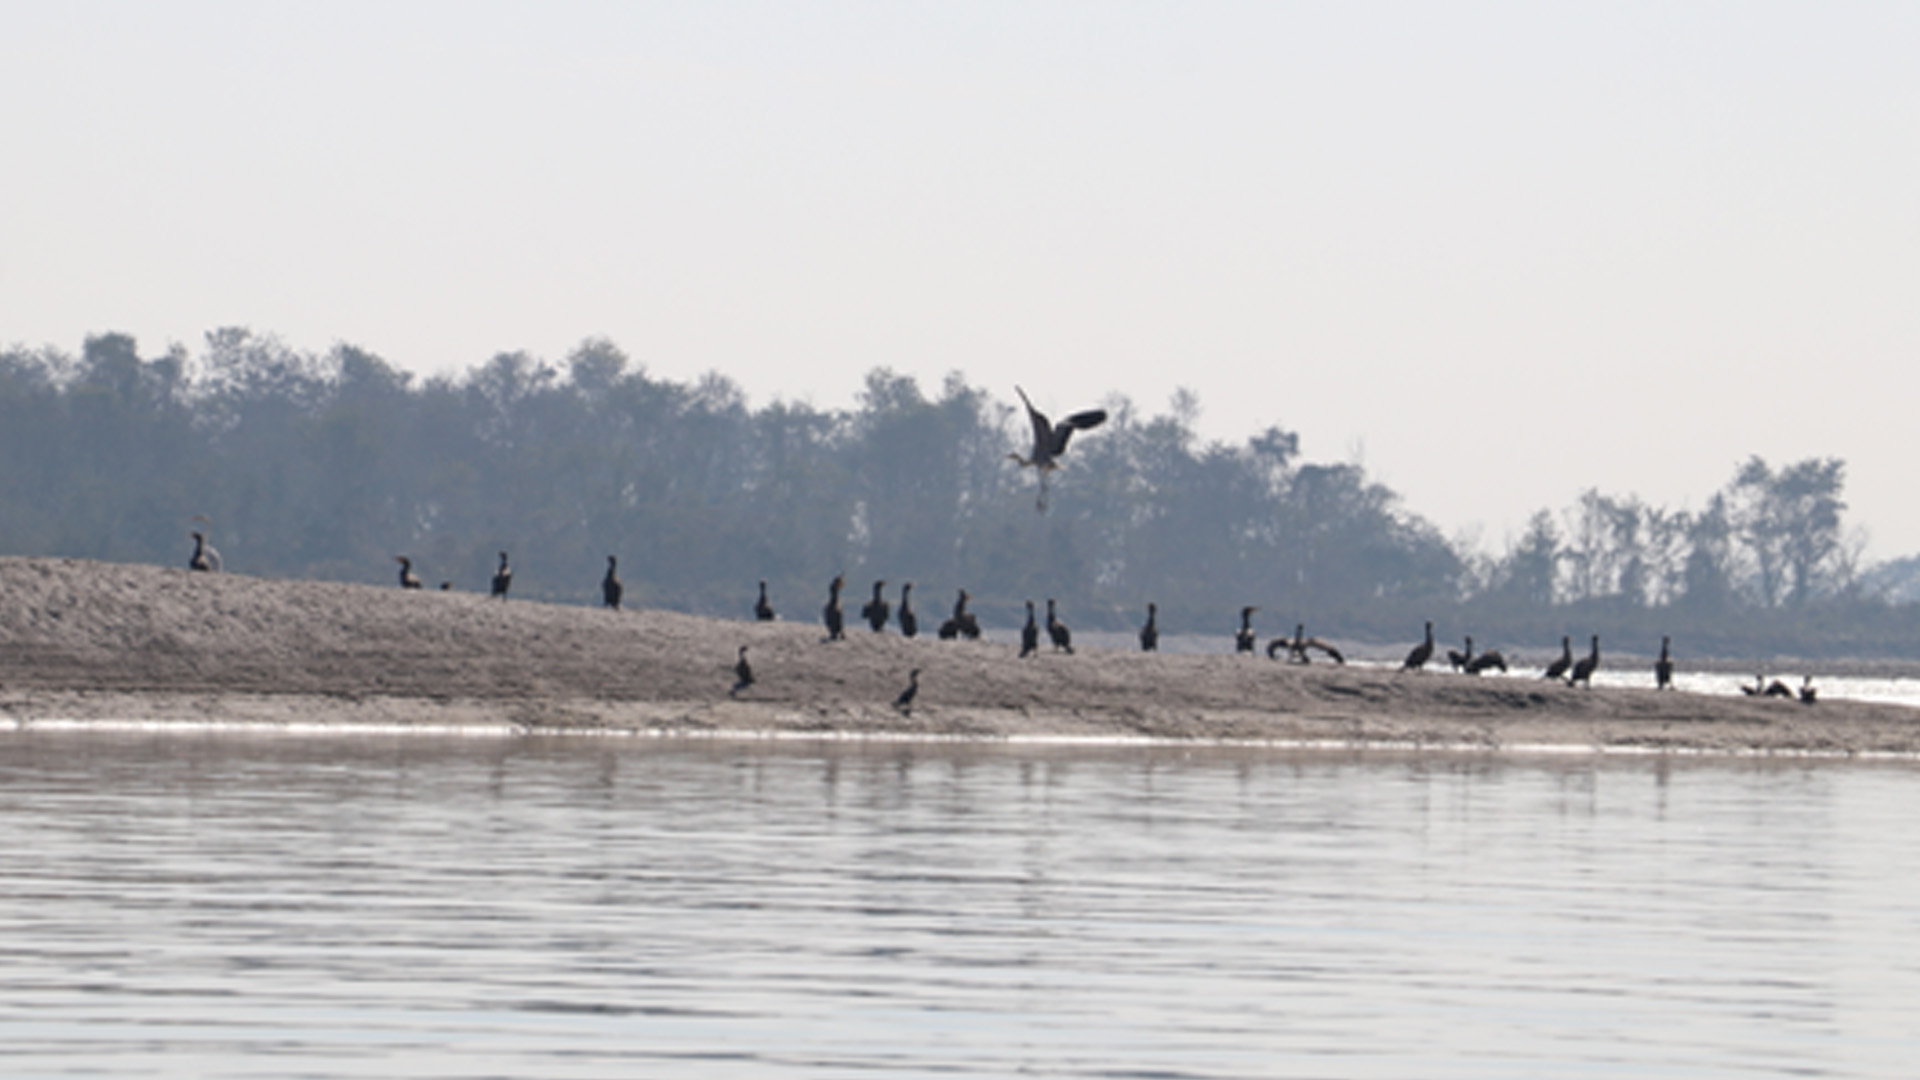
1560, 667
1244, 638
1419, 655
763, 608
502, 578
905, 701
1457, 659
835, 620
1050, 441
1150, 633
1590, 663
204, 557
408, 579
1663, 667
1029, 634
1057, 631
909, 622
610, 588
742, 673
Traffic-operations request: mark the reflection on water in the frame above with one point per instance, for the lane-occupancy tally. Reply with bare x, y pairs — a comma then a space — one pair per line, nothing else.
333, 907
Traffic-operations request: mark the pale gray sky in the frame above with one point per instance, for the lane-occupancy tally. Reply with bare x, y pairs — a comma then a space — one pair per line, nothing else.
1502, 252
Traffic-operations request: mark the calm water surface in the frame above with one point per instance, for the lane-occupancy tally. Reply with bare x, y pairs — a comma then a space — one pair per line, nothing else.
475, 907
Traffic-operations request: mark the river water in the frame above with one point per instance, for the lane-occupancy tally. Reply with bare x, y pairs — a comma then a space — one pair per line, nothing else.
331, 906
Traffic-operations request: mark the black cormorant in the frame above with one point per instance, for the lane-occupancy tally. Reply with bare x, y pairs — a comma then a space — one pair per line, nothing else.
1057, 631
610, 588
1418, 656
961, 623
502, 578
1776, 688
905, 701
1030, 634
1808, 694
836, 622
1590, 663
1559, 668
1301, 643
763, 608
1457, 659
1244, 638
1150, 633
408, 579
204, 557
876, 611
1663, 667
1050, 440
742, 673
1485, 661
909, 623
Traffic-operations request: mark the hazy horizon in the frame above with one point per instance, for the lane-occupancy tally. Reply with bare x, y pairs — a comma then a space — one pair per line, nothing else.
1498, 254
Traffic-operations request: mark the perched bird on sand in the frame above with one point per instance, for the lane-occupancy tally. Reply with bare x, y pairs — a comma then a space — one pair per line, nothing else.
1301, 643
763, 608
1457, 659
1057, 631
742, 673
1029, 634
1050, 440
502, 578
1590, 663
877, 610
1150, 633
1559, 668
1808, 694
1486, 661
1417, 658
1663, 667
204, 557
831, 614
1244, 638
408, 579
961, 624
610, 588
905, 701
909, 622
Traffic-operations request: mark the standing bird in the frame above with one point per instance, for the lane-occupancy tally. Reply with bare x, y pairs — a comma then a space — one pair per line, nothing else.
905, 701
1057, 631
502, 578
1150, 633
1808, 694
961, 623
742, 673
1457, 659
763, 608
1029, 634
204, 557
1244, 638
909, 623
836, 622
1590, 663
1301, 643
408, 579
1050, 440
1419, 655
1663, 667
1559, 668
610, 588
877, 610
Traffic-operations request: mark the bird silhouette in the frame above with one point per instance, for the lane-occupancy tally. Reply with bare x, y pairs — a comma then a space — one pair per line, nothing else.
408, 579
742, 673
1050, 440
1150, 633
763, 608
502, 578
610, 588
905, 701
1418, 656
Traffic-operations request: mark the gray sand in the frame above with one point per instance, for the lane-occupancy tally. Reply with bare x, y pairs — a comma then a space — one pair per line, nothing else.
85, 641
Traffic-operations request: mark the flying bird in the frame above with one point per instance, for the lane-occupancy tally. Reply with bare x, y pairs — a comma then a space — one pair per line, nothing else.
1050, 440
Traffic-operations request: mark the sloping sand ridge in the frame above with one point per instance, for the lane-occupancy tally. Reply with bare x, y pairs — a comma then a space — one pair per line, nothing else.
89, 641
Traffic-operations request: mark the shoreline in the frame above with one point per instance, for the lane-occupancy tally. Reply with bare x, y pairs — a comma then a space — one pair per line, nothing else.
100, 646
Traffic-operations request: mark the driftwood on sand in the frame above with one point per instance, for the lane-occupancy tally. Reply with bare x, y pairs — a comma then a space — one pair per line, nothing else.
88, 641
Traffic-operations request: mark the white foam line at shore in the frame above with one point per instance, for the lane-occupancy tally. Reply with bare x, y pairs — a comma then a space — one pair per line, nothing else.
505, 729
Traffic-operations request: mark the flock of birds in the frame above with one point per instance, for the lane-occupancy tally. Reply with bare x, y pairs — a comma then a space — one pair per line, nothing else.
1049, 444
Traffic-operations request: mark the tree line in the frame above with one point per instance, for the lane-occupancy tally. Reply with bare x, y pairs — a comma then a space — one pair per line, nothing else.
326, 465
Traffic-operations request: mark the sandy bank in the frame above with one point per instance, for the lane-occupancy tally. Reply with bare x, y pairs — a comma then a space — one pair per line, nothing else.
87, 641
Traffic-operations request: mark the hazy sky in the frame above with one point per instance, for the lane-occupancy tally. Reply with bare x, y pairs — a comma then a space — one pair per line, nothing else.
1498, 253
